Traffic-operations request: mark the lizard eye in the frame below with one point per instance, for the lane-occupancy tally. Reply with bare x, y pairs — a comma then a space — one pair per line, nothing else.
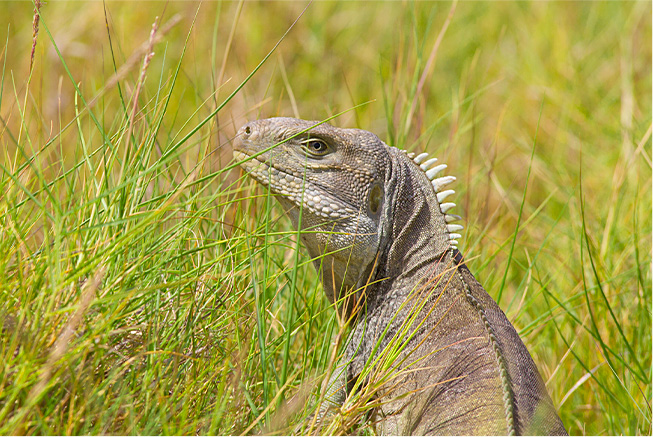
315, 147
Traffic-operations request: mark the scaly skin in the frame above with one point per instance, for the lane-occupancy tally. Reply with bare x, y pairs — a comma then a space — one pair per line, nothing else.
446, 359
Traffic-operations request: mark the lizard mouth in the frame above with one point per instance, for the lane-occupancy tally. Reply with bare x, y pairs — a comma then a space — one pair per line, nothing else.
301, 192
256, 168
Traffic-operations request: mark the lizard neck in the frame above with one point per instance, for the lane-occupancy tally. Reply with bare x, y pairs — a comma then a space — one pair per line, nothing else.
417, 235
415, 246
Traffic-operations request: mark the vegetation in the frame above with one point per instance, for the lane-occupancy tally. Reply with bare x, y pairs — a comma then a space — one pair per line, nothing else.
148, 287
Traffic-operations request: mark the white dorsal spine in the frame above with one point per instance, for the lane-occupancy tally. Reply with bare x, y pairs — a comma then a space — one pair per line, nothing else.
419, 158
438, 184
444, 194
435, 170
428, 164
442, 182
444, 207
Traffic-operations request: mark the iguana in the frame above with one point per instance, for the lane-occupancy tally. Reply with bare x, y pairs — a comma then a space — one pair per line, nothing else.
375, 221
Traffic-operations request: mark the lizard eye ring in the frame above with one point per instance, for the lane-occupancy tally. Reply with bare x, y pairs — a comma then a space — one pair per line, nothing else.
315, 147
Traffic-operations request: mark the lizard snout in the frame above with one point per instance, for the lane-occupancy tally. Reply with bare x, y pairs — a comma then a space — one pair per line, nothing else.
246, 138
247, 132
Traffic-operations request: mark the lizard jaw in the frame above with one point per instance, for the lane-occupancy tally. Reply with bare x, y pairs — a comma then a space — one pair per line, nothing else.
300, 192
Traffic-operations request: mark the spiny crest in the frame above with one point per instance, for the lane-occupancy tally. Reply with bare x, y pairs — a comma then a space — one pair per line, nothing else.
439, 183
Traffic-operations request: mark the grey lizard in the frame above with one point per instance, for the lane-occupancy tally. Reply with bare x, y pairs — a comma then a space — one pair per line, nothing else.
375, 221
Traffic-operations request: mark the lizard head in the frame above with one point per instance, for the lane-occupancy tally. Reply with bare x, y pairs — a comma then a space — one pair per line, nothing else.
330, 182
349, 193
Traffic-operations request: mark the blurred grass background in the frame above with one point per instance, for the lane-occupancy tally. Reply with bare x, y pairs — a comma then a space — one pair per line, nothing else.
145, 284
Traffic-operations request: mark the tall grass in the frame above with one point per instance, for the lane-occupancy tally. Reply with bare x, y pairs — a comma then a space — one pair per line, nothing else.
147, 286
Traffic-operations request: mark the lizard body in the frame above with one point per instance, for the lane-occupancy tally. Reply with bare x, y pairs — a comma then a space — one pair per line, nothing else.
375, 221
